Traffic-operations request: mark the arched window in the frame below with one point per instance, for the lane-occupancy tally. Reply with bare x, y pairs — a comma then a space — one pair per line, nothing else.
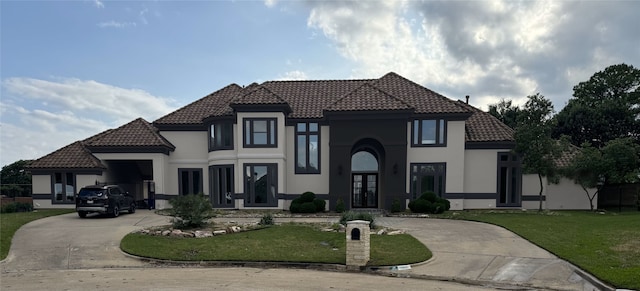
364, 161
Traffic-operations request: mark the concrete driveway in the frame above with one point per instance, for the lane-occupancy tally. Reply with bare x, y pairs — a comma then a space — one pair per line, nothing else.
477, 254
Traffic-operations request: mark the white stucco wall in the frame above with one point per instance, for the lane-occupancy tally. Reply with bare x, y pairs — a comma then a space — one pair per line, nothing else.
568, 195
479, 203
300, 183
453, 155
481, 170
41, 184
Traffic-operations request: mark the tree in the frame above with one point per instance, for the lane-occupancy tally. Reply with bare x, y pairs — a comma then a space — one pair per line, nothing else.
605, 107
15, 179
534, 142
586, 170
506, 112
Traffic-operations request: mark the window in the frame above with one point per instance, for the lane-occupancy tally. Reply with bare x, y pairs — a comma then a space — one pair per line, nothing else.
221, 136
428, 177
64, 187
509, 180
260, 132
190, 181
222, 186
429, 132
261, 184
307, 148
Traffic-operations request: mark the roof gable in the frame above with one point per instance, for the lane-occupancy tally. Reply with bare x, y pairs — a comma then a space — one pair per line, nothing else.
138, 134
73, 156
214, 104
484, 127
368, 98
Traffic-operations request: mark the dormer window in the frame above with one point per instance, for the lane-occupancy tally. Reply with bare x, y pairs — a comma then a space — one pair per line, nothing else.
221, 136
429, 132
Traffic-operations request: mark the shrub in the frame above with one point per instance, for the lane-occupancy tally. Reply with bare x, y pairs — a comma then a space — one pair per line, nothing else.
308, 207
307, 203
16, 207
396, 206
429, 203
357, 215
340, 205
266, 219
320, 204
307, 197
191, 210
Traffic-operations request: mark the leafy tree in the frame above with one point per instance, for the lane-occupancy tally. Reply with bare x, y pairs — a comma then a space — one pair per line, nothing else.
617, 162
605, 107
534, 142
506, 112
15, 179
586, 170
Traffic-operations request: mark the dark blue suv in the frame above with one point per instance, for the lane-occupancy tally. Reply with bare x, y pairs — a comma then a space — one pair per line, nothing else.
108, 199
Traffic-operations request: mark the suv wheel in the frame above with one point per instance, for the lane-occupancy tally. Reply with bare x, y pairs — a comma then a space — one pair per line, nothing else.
116, 211
132, 207
82, 214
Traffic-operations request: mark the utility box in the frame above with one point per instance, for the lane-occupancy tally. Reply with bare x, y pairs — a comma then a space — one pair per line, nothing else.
358, 244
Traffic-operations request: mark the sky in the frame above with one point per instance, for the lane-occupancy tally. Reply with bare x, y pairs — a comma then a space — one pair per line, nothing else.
72, 69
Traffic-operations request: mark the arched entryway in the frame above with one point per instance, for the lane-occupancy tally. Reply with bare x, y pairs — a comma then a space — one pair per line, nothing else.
366, 157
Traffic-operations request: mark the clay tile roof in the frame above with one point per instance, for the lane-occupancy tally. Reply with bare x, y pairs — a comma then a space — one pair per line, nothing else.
74, 156
307, 99
566, 157
214, 104
368, 97
257, 94
137, 133
421, 98
483, 127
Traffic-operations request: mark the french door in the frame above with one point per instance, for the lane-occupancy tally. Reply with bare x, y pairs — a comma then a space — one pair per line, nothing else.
364, 190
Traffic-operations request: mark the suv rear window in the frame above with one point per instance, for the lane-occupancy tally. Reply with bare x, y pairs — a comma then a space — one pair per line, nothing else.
91, 192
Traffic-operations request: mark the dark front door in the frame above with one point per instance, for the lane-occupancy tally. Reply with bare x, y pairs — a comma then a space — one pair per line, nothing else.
364, 190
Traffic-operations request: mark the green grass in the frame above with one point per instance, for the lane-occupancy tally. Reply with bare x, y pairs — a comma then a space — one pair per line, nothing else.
11, 222
605, 245
282, 243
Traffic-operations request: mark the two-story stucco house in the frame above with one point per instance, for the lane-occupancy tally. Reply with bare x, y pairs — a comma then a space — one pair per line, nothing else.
367, 142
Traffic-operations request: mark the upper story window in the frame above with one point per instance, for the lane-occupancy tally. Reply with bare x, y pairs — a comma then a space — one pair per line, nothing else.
429, 132
307, 148
221, 136
260, 132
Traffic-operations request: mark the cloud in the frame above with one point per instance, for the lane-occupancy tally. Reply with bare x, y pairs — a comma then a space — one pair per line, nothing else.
270, 3
486, 49
293, 75
115, 24
40, 116
98, 3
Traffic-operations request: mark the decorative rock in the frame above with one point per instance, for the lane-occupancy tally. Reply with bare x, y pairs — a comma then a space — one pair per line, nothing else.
219, 232
188, 234
424, 216
327, 229
235, 228
382, 231
176, 232
396, 232
201, 234
166, 232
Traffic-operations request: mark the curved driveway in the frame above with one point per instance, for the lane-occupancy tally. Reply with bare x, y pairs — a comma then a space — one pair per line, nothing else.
467, 252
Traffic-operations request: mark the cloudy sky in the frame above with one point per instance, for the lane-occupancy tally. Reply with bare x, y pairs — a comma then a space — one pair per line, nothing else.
71, 69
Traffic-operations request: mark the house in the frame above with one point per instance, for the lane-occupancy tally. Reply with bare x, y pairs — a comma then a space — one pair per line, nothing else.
367, 142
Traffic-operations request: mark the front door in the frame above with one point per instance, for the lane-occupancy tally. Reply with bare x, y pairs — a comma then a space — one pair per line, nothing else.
364, 190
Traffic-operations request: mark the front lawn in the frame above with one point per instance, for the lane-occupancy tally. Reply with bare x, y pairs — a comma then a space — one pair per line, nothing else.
280, 243
605, 245
11, 222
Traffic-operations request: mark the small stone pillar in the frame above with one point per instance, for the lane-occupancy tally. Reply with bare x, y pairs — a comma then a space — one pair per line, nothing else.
358, 243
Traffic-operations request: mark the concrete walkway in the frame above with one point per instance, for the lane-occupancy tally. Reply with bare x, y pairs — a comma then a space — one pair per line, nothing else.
466, 252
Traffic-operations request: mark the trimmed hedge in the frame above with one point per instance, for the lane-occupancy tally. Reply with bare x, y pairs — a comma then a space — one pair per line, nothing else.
16, 207
307, 203
429, 202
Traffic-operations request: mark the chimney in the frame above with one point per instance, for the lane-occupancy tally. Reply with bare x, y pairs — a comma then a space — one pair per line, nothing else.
467, 99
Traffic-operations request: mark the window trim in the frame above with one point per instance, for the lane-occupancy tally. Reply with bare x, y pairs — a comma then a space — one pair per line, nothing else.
512, 162
307, 169
190, 171
441, 125
414, 193
272, 168
64, 183
251, 143
213, 188
212, 145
